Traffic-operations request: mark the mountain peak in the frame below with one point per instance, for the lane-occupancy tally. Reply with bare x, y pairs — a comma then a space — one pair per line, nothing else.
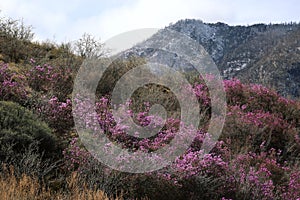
258, 53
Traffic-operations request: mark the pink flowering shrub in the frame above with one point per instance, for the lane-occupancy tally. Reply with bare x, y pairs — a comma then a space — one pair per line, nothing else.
248, 130
260, 176
54, 80
12, 85
255, 157
256, 97
291, 191
76, 157
44, 90
57, 114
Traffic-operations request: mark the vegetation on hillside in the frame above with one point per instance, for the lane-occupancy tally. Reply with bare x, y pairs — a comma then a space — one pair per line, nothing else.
42, 157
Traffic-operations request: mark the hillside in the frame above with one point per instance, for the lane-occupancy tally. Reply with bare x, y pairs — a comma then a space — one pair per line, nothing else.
260, 53
51, 135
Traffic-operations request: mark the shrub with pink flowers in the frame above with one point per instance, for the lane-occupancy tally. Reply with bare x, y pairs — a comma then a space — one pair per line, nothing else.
255, 158
54, 80
57, 114
12, 85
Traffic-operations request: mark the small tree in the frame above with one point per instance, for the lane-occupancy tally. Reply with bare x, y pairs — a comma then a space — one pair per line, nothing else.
90, 47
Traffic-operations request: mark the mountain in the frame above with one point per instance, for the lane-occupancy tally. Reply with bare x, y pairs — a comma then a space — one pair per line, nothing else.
260, 53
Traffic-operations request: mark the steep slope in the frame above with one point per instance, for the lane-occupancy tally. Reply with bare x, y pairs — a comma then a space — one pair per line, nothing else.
260, 53
265, 54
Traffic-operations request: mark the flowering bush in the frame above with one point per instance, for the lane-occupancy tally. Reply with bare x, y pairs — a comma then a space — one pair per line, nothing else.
57, 114
12, 85
254, 158
248, 130
56, 81
257, 97
260, 176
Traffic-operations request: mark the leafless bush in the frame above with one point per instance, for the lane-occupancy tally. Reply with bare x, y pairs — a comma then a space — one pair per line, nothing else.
90, 47
14, 39
15, 29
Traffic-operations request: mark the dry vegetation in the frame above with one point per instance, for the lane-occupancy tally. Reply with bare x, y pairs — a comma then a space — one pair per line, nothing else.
26, 187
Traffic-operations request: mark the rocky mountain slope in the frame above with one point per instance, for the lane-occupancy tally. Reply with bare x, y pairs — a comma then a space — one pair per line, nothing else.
260, 53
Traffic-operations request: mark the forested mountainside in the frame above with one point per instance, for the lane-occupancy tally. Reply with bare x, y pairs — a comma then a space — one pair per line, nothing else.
260, 53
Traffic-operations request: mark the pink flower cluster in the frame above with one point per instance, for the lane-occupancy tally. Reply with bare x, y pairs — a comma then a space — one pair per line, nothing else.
57, 114
12, 85
75, 156
49, 79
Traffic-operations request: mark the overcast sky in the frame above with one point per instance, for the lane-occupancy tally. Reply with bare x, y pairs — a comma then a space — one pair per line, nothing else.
67, 20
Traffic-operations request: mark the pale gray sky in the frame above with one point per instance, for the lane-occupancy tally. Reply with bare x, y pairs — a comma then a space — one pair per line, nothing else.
67, 20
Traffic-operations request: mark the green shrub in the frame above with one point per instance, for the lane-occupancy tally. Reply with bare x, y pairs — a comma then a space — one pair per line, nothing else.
21, 127
113, 73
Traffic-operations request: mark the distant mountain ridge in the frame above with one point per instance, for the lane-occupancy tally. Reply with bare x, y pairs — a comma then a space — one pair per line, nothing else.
260, 53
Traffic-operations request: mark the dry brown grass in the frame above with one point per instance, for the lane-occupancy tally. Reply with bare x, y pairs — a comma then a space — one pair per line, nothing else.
26, 187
